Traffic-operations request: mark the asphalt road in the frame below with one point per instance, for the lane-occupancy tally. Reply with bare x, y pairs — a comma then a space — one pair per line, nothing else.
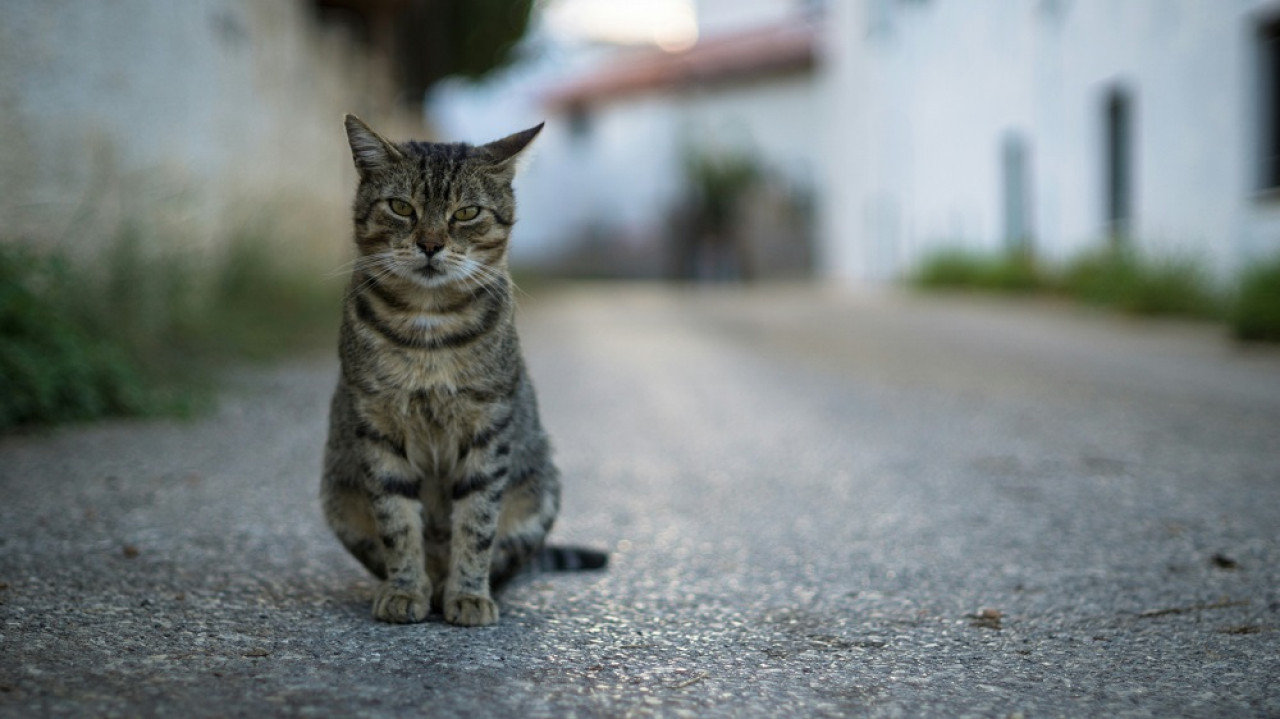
818, 505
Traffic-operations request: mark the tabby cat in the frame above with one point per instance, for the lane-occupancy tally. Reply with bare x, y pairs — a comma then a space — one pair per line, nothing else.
437, 472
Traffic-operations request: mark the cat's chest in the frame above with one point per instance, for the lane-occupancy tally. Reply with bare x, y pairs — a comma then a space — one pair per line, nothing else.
431, 425
408, 371
435, 424
421, 395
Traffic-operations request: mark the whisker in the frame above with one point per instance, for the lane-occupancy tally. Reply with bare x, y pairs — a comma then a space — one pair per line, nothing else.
343, 270
373, 278
517, 289
385, 266
346, 268
487, 278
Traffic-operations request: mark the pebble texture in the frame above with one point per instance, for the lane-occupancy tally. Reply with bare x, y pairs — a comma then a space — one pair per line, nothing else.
817, 504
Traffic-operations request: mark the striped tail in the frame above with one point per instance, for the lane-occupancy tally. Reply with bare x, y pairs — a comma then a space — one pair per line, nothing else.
569, 559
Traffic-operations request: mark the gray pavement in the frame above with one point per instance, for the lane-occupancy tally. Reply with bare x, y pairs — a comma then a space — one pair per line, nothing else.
819, 504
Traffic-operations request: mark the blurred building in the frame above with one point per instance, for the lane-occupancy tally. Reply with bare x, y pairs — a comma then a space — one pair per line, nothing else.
1052, 125
632, 136
613, 187
185, 120
1048, 125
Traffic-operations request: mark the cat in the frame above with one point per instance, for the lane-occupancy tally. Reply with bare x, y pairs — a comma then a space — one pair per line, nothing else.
438, 475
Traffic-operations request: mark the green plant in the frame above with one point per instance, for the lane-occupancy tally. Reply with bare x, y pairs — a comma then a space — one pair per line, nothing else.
1014, 271
1125, 280
1115, 277
139, 331
52, 367
1256, 311
720, 182
263, 305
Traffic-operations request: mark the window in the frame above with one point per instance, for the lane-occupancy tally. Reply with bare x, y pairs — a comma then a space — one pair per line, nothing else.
1015, 175
1117, 160
579, 122
1269, 105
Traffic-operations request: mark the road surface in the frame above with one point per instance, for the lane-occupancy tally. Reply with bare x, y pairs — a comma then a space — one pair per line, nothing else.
818, 504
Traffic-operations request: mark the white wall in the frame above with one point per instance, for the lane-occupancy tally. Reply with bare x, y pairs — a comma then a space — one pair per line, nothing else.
615, 179
622, 177
717, 17
923, 93
183, 116
625, 173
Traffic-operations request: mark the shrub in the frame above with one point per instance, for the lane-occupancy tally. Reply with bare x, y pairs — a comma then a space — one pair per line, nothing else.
261, 305
965, 269
138, 332
52, 367
1124, 280
1117, 278
1256, 312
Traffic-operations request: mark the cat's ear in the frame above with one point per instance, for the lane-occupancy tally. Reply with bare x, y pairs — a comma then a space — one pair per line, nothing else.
370, 151
504, 154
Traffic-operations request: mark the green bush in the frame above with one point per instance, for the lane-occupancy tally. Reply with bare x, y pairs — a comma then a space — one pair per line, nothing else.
965, 269
52, 367
263, 306
1121, 279
1256, 312
138, 332
1124, 280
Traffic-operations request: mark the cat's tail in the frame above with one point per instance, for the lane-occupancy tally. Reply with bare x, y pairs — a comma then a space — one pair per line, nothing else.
569, 559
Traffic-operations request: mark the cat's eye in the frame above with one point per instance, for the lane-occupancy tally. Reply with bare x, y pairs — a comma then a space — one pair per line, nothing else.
400, 207
466, 213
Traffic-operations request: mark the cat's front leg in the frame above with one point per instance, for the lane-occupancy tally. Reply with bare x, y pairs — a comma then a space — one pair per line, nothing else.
405, 595
477, 503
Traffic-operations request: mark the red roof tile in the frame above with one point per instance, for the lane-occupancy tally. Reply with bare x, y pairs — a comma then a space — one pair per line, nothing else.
747, 55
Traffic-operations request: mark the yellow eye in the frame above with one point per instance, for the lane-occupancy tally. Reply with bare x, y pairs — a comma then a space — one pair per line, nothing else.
400, 207
466, 213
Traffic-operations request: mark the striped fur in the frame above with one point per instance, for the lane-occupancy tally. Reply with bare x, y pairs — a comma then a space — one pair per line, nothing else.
437, 473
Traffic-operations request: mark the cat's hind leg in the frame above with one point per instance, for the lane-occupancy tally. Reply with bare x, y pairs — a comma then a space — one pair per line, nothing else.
370, 497
350, 516
529, 510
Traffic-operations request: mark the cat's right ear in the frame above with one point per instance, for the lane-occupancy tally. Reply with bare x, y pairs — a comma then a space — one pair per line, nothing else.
370, 151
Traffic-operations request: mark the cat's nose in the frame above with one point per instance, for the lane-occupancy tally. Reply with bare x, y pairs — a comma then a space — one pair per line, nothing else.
430, 246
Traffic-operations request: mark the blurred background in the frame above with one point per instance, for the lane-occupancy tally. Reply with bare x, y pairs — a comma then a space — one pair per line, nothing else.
174, 181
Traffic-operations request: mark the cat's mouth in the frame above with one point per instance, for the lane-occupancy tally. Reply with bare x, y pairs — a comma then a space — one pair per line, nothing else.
431, 272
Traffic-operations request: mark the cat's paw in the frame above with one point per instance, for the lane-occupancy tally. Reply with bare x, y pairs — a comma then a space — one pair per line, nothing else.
470, 611
394, 602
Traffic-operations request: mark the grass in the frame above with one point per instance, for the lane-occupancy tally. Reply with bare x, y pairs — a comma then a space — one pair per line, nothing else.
1128, 282
265, 307
1121, 280
139, 332
966, 269
1256, 312
54, 367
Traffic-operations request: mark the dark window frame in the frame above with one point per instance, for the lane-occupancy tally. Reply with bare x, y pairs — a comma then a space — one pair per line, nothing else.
1119, 150
1267, 52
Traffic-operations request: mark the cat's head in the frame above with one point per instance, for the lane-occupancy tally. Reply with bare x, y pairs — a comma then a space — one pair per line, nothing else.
434, 213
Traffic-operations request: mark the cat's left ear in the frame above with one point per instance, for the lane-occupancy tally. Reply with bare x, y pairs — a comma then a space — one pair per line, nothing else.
370, 151
504, 154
